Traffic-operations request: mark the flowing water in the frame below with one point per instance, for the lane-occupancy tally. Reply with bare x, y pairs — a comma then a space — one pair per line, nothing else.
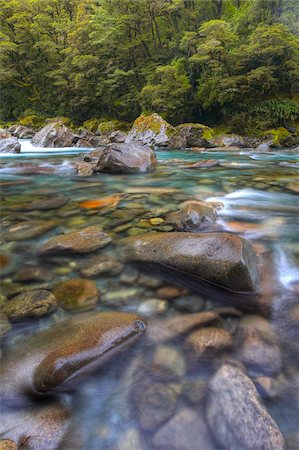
259, 194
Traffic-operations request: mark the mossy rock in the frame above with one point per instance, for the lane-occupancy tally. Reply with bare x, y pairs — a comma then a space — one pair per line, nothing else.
92, 124
203, 130
109, 126
152, 122
33, 121
154, 131
280, 136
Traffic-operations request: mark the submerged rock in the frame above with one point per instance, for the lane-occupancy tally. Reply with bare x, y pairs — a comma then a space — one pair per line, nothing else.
35, 428
236, 416
28, 229
221, 258
83, 241
154, 131
257, 348
126, 158
54, 358
163, 330
45, 204
193, 216
203, 164
155, 403
100, 265
185, 431
54, 134
10, 145
76, 294
207, 341
29, 304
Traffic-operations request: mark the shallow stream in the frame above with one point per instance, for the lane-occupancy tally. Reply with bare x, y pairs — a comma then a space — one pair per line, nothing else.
259, 193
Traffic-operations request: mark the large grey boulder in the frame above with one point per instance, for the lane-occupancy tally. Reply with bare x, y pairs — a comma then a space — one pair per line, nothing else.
220, 258
10, 145
54, 134
126, 158
236, 415
154, 131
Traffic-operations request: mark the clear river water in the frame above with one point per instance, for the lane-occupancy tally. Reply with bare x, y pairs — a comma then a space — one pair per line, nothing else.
259, 197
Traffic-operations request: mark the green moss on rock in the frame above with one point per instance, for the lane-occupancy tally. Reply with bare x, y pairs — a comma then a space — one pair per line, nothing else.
92, 124
33, 121
109, 126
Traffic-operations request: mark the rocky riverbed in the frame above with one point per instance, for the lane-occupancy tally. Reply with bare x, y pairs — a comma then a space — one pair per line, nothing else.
153, 310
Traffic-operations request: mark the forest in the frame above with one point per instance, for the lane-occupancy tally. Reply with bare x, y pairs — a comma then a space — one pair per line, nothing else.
231, 63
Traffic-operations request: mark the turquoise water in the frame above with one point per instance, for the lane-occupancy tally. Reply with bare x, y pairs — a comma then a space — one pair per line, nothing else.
259, 193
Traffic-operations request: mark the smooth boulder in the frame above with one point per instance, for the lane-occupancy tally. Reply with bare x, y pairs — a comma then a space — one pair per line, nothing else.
236, 415
86, 240
126, 158
223, 259
69, 350
10, 145
54, 134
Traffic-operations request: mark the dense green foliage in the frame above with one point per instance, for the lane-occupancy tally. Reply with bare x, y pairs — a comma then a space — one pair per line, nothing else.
215, 61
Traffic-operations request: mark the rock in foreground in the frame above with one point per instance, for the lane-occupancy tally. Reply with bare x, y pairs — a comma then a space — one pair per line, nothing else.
236, 416
126, 158
221, 258
70, 349
54, 134
83, 241
10, 145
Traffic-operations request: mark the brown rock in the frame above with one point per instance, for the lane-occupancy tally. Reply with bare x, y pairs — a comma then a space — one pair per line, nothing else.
236, 416
193, 216
7, 444
168, 292
30, 304
207, 341
85, 240
72, 348
160, 331
76, 294
84, 169
220, 258
100, 265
